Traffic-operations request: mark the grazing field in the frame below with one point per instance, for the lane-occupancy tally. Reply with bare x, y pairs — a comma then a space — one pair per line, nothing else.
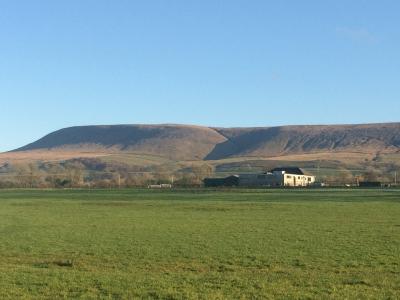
200, 244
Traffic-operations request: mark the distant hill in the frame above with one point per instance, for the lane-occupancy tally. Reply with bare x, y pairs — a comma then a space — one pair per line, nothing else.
288, 140
179, 142
184, 142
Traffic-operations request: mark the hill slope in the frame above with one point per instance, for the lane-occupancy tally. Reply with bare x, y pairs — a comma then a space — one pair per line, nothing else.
173, 141
287, 140
184, 142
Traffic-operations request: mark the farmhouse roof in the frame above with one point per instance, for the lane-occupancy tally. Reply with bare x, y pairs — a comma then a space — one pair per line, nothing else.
289, 170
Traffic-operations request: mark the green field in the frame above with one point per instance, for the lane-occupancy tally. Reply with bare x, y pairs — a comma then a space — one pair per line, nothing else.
234, 244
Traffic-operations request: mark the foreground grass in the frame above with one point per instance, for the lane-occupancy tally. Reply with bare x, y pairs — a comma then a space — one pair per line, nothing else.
200, 244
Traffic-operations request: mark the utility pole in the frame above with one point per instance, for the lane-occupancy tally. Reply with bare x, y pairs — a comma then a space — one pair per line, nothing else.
119, 180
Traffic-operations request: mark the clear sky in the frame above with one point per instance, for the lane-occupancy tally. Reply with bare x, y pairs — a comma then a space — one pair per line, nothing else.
208, 62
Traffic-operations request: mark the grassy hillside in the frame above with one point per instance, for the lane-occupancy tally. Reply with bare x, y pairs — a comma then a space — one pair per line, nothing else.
179, 142
341, 151
289, 140
184, 142
276, 244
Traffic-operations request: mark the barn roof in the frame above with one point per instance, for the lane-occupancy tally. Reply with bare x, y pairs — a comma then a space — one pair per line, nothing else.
289, 170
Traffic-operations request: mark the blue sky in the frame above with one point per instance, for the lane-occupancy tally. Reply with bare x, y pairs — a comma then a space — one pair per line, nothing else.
217, 63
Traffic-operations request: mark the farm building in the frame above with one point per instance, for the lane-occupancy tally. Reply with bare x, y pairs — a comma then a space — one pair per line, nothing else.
370, 184
290, 176
227, 181
278, 177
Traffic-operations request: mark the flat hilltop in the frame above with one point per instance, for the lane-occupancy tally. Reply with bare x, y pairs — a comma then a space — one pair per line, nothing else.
185, 142
179, 142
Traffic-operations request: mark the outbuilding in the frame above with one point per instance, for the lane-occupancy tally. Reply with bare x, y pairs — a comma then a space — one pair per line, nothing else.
283, 176
278, 177
232, 180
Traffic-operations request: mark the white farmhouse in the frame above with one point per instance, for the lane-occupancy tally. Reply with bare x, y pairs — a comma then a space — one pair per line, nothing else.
287, 176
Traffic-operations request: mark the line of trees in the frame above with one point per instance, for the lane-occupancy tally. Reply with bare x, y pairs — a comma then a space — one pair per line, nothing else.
94, 173
344, 176
75, 175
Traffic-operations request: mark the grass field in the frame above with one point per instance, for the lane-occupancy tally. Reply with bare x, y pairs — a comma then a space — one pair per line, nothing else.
239, 244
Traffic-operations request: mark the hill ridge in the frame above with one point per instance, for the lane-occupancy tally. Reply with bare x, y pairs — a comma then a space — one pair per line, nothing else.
195, 142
